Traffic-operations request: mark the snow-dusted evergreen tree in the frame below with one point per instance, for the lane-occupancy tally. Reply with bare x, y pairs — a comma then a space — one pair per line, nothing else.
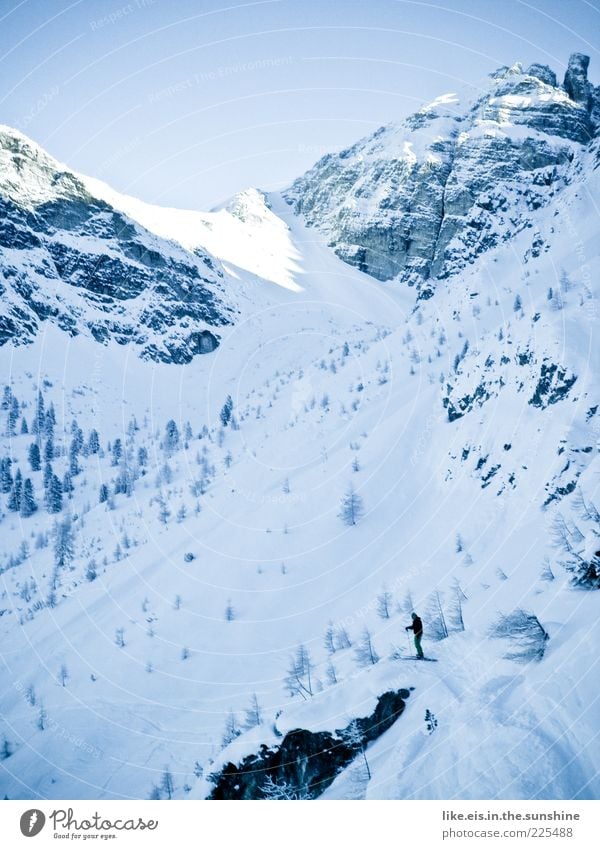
546, 574
526, 634
5, 749
6, 478
74, 467
28, 504
163, 511
226, 411
407, 606
328, 639
142, 457
279, 789
342, 638
253, 713
364, 650
49, 451
231, 730
63, 675
351, 508
67, 485
49, 421
16, 493
384, 604
93, 444
299, 675
54, 495
353, 736
117, 452
64, 542
171, 440
37, 425
103, 493
42, 717
12, 417
330, 673
455, 612
437, 628
166, 783
35, 460
124, 481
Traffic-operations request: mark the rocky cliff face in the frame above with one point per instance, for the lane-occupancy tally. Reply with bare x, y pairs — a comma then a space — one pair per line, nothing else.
70, 258
306, 762
422, 199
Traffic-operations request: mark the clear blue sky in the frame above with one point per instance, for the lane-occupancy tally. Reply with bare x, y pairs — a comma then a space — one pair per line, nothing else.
184, 102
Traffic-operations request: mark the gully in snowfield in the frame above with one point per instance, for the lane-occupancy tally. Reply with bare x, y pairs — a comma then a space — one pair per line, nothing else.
417, 628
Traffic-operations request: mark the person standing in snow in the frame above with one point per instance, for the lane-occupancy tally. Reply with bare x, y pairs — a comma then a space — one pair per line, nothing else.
417, 629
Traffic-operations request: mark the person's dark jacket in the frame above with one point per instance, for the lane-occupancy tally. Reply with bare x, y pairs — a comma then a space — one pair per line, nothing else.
417, 626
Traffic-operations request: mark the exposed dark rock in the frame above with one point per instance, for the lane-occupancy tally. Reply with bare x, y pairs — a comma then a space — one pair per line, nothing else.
306, 761
465, 404
543, 73
553, 385
576, 82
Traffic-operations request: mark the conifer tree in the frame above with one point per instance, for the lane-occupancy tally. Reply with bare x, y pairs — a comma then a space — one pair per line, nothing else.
28, 505
35, 460
6, 478
54, 495
16, 493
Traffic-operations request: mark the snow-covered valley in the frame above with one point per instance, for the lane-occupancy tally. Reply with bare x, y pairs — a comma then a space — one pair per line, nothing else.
201, 590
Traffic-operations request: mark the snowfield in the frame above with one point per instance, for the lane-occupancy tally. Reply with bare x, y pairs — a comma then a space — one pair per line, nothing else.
135, 677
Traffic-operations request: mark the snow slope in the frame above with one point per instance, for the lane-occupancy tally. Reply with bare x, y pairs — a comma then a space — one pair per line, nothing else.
465, 456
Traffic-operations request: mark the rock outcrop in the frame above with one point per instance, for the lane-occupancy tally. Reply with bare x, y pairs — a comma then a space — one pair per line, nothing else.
576, 82
306, 762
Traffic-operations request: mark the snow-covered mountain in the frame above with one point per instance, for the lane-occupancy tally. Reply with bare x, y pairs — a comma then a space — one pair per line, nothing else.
424, 198
190, 612
72, 259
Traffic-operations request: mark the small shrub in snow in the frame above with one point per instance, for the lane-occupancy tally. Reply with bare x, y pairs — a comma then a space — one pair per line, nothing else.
525, 633
436, 626
282, 790
430, 721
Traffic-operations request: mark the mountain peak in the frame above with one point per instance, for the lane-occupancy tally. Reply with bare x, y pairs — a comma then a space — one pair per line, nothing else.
421, 199
248, 206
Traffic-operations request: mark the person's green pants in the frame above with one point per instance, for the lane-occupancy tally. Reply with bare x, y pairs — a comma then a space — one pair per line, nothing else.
418, 638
